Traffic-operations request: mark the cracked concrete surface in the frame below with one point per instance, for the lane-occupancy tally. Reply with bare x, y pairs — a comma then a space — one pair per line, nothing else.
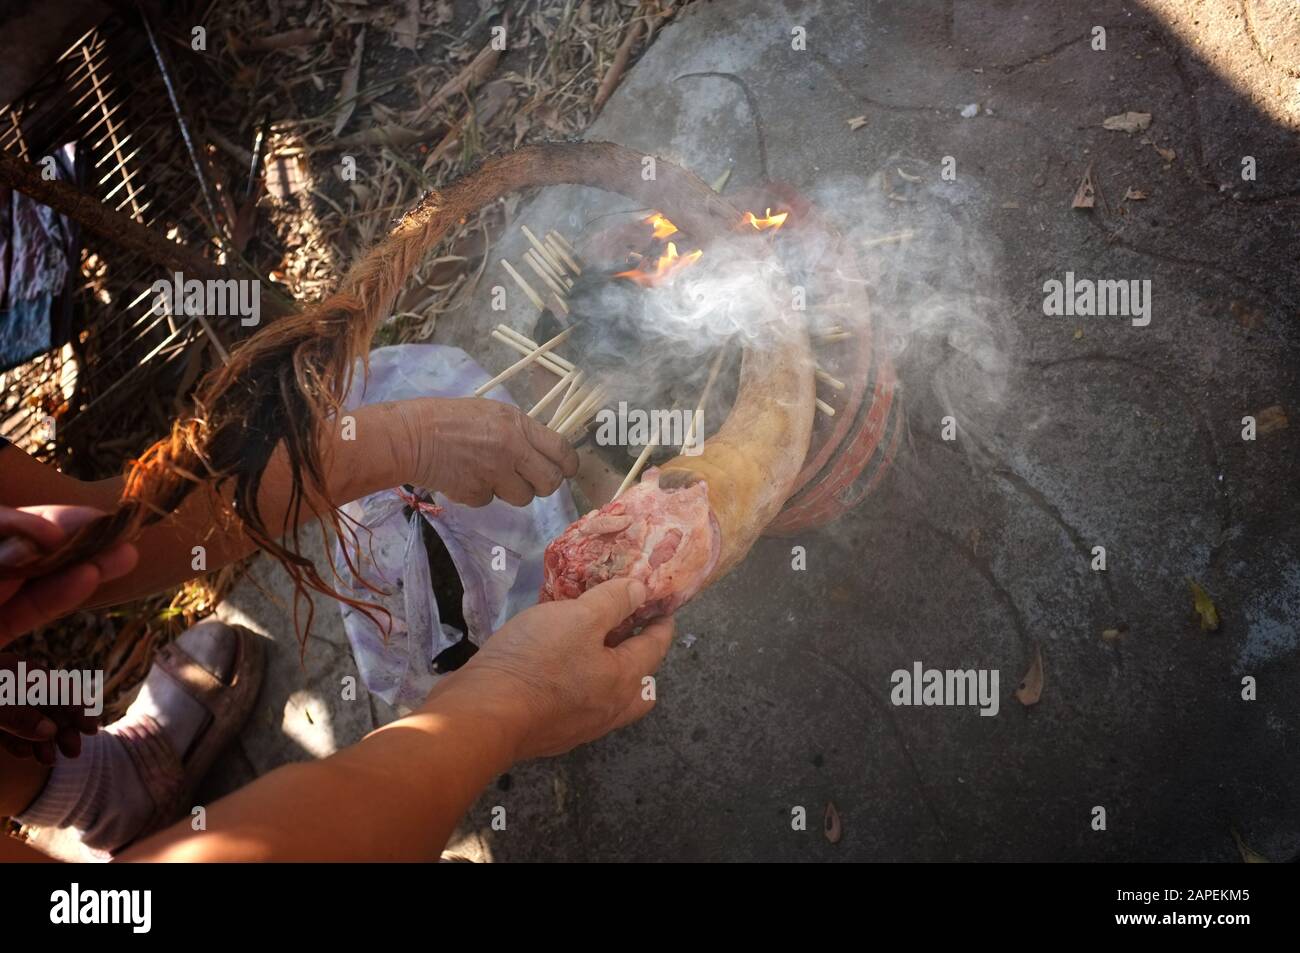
974, 553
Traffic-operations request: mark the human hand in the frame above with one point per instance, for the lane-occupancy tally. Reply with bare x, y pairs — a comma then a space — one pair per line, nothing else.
471, 449
38, 731
554, 680
30, 730
28, 531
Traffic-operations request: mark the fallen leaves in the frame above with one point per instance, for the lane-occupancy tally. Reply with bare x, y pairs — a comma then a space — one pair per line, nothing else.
1127, 122
1134, 195
856, 123
1031, 687
1270, 419
1086, 194
1247, 316
1204, 607
831, 826
1248, 856
347, 101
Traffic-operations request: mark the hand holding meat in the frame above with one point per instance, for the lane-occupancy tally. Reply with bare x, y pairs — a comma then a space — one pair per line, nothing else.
472, 450
552, 680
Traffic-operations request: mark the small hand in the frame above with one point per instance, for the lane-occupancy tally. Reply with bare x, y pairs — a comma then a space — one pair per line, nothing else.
471, 450
25, 604
550, 674
27, 531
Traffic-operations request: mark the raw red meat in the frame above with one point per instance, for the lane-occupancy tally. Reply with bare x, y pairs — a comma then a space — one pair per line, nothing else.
669, 539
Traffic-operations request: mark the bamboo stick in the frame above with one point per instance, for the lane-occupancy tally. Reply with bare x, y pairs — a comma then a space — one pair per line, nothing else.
524, 361
543, 251
561, 304
827, 379
825, 408
578, 419
569, 260
530, 258
557, 273
704, 396
528, 345
554, 392
574, 393
559, 237
524, 286
641, 459
547, 361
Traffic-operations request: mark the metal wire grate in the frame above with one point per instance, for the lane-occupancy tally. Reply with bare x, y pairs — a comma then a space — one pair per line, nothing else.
106, 93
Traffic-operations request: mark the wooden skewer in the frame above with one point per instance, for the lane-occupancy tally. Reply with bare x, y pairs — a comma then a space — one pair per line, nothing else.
580, 403
548, 361
704, 397
903, 236
561, 304
554, 392
825, 408
641, 459
525, 344
524, 286
559, 237
835, 336
542, 250
553, 244
827, 379
560, 276
574, 393
541, 272
584, 411
524, 361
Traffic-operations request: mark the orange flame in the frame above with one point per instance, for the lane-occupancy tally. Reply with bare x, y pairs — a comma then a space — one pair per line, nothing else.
668, 264
662, 227
768, 221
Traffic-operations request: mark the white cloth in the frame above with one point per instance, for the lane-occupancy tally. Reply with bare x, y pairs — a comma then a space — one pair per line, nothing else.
497, 549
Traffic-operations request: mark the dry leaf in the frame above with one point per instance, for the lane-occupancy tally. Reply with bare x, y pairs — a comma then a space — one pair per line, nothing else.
1270, 419
1134, 195
831, 824
1204, 607
1086, 195
1031, 688
351, 81
1248, 856
1248, 317
407, 29
857, 122
1169, 155
1127, 122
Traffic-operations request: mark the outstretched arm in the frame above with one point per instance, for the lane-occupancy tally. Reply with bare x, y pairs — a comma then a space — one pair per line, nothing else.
469, 449
543, 684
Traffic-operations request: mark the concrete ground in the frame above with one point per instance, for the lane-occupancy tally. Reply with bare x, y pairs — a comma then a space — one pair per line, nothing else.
1071, 433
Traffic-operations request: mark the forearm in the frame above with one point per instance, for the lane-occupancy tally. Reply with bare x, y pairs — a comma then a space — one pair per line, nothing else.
396, 795
371, 456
